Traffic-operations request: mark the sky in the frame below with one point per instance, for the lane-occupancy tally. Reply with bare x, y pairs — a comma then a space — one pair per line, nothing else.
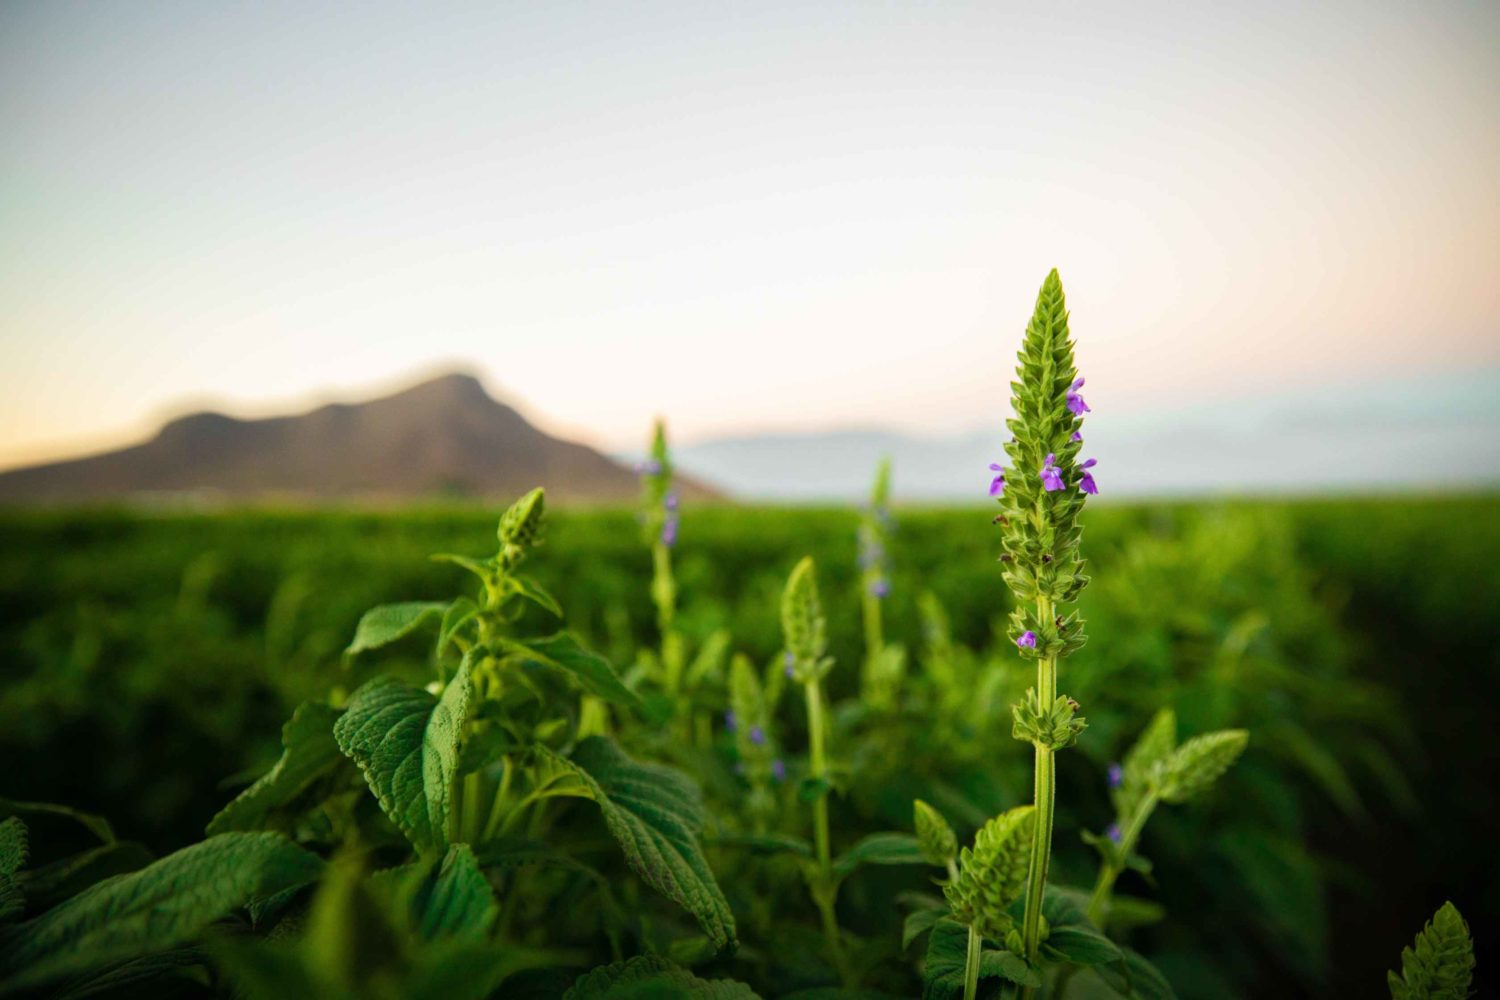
746, 218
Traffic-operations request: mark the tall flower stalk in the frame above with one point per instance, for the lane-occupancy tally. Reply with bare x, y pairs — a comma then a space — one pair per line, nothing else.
1041, 491
884, 664
659, 512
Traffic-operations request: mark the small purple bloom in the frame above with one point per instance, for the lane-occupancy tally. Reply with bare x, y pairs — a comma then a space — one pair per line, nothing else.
997, 485
778, 769
1051, 475
880, 588
1076, 405
1027, 640
1115, 833
669, 531
729, 721
1116, 775
790, 662
1088, 485
1076, 437
757, 735
648, 467
670, 500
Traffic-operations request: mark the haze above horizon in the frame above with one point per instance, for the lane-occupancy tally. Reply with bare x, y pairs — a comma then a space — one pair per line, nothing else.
747, 221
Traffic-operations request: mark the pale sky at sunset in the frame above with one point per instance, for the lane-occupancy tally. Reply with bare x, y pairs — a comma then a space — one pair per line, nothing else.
744, 217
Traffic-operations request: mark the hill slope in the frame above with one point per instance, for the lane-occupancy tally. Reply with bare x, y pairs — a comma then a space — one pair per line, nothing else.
446, 436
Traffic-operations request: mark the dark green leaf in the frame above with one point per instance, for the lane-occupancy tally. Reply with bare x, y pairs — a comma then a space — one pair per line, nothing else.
1080, 945
764, 843
594, 672
880, 849
919, 923
385, 624
149, 911
407, 744
14, 851
308, 751
52, 883
536, 593
97, 825
947, 949
651, 977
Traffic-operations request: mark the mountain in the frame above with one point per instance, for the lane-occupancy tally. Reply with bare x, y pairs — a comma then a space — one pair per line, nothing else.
446, 436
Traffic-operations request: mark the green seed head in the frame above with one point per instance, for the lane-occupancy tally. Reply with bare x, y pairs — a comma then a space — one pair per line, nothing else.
938, 842
992, 874
802, 621
521, 527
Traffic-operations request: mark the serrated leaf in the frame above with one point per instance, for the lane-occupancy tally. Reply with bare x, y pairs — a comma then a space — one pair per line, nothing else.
149, 911
407, 744
1197, 764
947, 950
656, 815
383, 625
450, 899
1440, 964
52, 883
880, 849
308, 751
594, 672
651, 977
14, 850
536, 594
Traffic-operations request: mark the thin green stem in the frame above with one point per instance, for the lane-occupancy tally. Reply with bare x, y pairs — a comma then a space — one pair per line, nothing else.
1099, 900
1045, 799
825, 891
971, 964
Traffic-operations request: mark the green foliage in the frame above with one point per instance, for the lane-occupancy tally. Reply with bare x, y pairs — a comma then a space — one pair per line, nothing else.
129, 917
943, 968
384, 625
803, 623
938, 841
309, 752
14, 850
650, 977
1440, 965
992, 874
1054, 728
1197, 764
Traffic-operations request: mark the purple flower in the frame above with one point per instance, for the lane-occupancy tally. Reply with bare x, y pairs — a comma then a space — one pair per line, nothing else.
670, 500
1088, 485
997, 485
1075, 402
778, 769
669, 531
790, 662
1116, 775
1076, 437
1115, 833
1051, 475
729, 722
757, 735
870, 555
1027, 640
648, 467
879, 588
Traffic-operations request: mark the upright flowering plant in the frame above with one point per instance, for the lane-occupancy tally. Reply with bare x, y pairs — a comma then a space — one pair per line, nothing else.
1041, 491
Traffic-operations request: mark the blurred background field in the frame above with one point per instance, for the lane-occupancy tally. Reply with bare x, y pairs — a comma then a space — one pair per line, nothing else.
150, 656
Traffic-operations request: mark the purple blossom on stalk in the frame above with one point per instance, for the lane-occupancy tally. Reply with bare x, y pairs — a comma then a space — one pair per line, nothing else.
1051, 475
1088, 485
1027, 640
648, 467
879, 588
1115, 833
669, 531
670, 500
757, 735
1116, 775
1076, 405
1076, 437
778, 769
997, 485
729, 721
790, 662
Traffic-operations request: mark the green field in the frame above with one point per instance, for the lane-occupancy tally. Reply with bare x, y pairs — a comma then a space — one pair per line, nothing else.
150, 660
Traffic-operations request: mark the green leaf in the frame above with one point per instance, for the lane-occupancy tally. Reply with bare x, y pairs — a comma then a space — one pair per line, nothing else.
947, 949
450, 899
536, 593
656, 815
651, 977
308, 752
482, 568
14, 851
1080, 945
1440, 965
1146, 980
97, 825
383, 625
459, 613
594, 672
52, 883
407, 744
764, 843
1197, 764
919, 923
149, 911
880, 849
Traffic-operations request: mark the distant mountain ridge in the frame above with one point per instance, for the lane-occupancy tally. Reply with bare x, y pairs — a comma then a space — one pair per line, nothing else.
446, 436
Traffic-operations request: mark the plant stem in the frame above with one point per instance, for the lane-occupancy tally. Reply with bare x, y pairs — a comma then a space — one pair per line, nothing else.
874, 635
1099, 901
824, 892
1044, 798
971, 964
